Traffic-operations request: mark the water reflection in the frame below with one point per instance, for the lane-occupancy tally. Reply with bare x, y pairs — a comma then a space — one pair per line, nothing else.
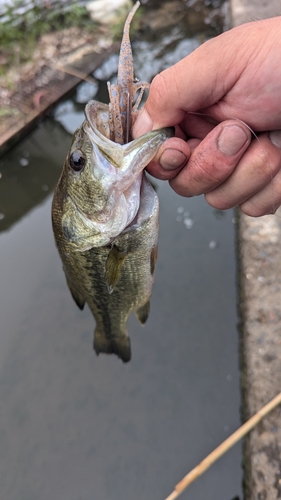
30, 171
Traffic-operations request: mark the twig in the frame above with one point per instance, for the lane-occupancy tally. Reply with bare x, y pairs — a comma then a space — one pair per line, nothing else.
76, 72
223, 447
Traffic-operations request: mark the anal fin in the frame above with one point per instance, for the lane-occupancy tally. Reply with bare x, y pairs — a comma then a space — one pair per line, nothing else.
143, 312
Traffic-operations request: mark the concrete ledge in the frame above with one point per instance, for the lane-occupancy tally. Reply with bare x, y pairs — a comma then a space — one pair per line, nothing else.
260, 305
260, 300
55, 90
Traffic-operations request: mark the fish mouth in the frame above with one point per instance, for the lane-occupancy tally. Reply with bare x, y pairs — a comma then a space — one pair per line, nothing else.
129, 159
117, 174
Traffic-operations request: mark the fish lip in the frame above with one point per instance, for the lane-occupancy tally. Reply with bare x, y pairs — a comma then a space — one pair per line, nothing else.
104, 142
105, 145
115, 152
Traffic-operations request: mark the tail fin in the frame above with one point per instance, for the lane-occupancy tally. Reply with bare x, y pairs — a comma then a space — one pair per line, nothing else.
117, 345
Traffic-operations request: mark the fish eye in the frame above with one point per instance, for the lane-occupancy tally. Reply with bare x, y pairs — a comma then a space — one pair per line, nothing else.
77, 160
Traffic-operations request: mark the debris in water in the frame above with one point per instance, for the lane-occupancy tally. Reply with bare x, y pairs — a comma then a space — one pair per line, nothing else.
188, 222
23, 162
2, 216
184, 216
213, 244
45, 187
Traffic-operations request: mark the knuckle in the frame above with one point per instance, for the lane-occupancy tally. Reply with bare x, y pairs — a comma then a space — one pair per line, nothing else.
206, 171
266, 163
252, 210
218, 201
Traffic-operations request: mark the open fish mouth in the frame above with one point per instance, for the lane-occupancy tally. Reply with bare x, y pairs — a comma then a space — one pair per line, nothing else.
121, 164
124, 157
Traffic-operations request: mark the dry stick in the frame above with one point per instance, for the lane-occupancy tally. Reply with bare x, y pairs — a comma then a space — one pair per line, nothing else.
76, 72
223, 447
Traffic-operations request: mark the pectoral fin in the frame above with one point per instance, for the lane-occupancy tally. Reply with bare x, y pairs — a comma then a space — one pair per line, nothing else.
153, 259
114, 263
143, 312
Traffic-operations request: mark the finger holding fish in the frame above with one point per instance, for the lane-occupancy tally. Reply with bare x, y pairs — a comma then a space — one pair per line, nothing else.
212, 166
169, 160
198, 166
255, 183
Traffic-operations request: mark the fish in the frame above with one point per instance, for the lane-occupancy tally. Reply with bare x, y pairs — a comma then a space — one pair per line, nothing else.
105, 213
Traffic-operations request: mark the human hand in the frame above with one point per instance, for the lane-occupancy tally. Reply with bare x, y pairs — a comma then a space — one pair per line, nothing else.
210, 96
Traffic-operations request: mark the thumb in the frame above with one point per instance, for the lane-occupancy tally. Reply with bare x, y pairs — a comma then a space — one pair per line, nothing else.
161, 108
196, 82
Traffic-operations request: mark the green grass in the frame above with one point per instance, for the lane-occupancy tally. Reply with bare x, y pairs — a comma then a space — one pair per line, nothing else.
21, 31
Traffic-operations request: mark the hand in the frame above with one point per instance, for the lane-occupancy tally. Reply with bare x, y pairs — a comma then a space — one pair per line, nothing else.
210, 96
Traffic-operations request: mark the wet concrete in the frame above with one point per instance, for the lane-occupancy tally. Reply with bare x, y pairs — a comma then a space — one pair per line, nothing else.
260, 299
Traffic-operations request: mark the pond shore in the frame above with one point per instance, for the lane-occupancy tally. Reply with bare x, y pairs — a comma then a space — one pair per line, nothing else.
259, 303
62, 60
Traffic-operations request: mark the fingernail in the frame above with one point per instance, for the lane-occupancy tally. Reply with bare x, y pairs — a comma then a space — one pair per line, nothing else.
275, 137
231, 139
171, 159
142, 124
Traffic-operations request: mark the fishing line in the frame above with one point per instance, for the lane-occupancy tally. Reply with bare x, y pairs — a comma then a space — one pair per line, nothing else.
128, 117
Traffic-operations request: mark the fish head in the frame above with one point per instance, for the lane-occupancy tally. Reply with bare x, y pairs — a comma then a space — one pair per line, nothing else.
85, 175
103, 178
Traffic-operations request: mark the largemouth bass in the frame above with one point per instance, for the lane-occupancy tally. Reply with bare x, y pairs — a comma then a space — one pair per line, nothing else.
105, 212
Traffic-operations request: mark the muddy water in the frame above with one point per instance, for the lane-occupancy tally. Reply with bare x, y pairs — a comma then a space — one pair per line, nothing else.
74, 426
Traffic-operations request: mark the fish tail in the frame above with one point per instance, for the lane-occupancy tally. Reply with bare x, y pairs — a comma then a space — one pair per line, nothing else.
119, 345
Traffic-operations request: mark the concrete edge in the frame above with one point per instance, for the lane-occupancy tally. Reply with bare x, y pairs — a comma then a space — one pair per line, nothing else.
259, 303
55, 91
